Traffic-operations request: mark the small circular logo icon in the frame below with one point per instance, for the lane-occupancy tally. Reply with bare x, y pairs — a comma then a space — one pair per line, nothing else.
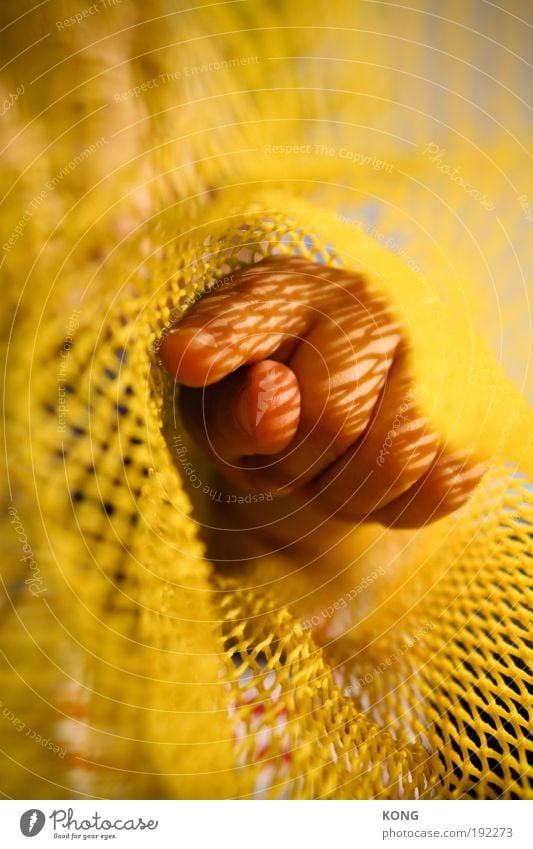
32, 822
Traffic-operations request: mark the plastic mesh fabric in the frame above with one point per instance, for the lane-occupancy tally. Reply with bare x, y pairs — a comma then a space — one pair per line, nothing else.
153, 672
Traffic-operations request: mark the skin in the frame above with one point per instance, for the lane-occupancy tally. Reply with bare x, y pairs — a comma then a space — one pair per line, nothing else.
292, 378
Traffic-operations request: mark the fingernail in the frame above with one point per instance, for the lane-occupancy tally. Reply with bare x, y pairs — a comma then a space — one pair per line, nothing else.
195, 336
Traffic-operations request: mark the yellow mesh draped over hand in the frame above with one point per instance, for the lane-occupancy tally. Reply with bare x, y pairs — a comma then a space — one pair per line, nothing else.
149, 152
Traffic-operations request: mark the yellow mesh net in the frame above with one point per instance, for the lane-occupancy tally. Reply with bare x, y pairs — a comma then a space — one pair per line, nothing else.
151, 152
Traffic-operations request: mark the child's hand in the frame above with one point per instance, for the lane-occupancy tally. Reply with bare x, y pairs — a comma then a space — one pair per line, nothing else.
295, 380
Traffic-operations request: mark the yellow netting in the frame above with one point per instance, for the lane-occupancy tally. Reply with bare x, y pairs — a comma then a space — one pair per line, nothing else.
150, 153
